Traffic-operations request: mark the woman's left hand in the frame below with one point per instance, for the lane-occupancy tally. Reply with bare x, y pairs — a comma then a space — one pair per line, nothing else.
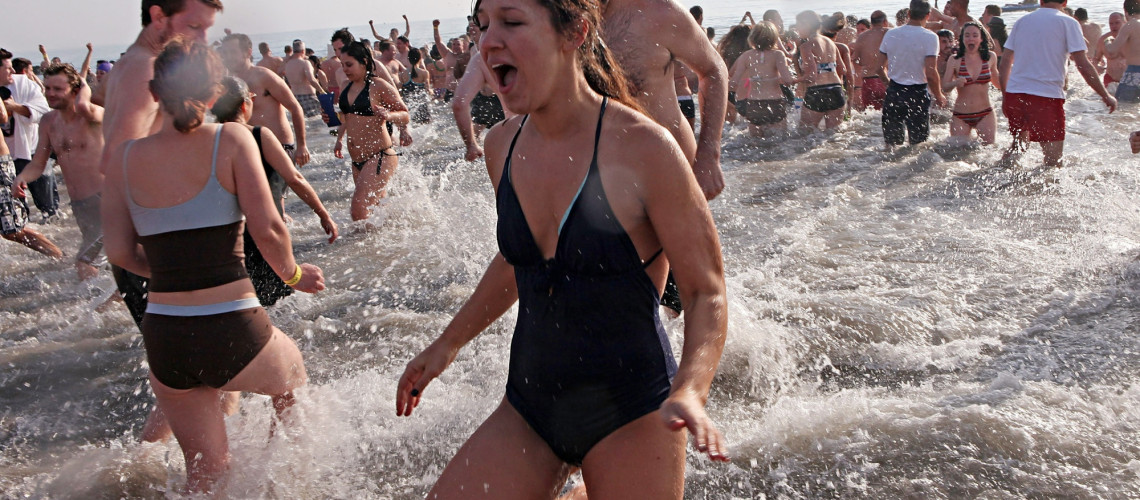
684, 410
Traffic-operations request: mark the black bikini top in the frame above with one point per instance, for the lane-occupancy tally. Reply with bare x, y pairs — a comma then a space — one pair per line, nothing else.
362, 105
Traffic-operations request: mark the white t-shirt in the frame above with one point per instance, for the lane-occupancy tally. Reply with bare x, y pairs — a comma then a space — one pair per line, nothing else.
1041, 41
26, 135
907, 48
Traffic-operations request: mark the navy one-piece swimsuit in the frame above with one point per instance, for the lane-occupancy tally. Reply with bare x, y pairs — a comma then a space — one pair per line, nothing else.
589, 353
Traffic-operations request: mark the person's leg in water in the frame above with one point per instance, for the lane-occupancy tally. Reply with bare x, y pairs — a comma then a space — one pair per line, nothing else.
197, 415
642, 459
1053, 151
959, 132
894, 112
35, 241
809, 120
503, 459
918, 116
987, 129
372, 182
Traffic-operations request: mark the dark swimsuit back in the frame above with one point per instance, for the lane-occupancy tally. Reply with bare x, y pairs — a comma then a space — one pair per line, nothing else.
269, 287
589, 353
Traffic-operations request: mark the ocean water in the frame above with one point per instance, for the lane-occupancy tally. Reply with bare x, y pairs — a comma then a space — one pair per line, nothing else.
915, 324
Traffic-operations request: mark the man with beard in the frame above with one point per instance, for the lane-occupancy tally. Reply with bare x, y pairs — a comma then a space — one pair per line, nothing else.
73, 131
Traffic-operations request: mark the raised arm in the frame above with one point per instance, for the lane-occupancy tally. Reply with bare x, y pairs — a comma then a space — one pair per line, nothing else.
439, 45
91, 112
86, 62
279, 159
407, 28
748, 17
47, 60
375, 34
691, 47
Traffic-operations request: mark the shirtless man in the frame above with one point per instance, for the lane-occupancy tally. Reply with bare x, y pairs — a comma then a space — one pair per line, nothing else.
394, 33
1126, 44
303, 81
273, 97
131, 112
403, 45
13, 209
1112, 67
646, 36
956, 14
438, 72
268, 60
386, 56
1091, 30
449, 58
866, 56
74, 132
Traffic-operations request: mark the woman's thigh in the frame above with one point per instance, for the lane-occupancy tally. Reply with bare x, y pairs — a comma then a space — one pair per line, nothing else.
276, 370
642, 459
503, 459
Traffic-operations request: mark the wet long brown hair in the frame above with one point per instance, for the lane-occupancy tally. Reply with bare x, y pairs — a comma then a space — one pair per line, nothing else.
598, 64
187, 76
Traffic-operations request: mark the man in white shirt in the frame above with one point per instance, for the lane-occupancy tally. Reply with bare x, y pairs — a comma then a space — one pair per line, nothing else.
26, 104
912, 56
1034, 101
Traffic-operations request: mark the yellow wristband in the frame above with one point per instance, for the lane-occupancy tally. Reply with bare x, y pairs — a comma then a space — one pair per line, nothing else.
296, 277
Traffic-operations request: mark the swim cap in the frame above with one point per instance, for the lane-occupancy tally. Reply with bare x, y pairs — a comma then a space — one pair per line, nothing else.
104, 66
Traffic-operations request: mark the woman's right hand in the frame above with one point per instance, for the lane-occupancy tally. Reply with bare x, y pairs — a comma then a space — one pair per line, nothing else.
312, 279
421, 370
338, 150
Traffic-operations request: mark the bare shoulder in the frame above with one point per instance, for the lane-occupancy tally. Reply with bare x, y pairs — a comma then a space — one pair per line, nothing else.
496, 143
654, 15
236, 133
635, 138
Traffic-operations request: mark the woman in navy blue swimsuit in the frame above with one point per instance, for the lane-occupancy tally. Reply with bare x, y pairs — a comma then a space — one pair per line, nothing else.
591, 197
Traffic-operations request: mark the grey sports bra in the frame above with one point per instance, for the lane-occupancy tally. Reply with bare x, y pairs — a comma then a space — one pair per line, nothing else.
212, 206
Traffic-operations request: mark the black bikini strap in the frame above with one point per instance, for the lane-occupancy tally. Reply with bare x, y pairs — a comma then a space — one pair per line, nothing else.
653, 258
598, 133
511, 152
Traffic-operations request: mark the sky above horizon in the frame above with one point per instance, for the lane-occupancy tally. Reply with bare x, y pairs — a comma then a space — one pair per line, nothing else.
65, 26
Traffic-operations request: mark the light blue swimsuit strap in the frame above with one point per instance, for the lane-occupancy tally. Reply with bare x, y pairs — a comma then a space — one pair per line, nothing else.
213, 165
206, 310
573, 201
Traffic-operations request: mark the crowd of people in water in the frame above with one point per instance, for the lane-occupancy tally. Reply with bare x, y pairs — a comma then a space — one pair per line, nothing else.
565, 101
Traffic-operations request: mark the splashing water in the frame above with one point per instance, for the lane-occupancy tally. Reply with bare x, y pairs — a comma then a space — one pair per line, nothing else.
915, 323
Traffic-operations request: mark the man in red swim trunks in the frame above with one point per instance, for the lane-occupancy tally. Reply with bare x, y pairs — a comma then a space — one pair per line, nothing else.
865, 53
1034, 95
